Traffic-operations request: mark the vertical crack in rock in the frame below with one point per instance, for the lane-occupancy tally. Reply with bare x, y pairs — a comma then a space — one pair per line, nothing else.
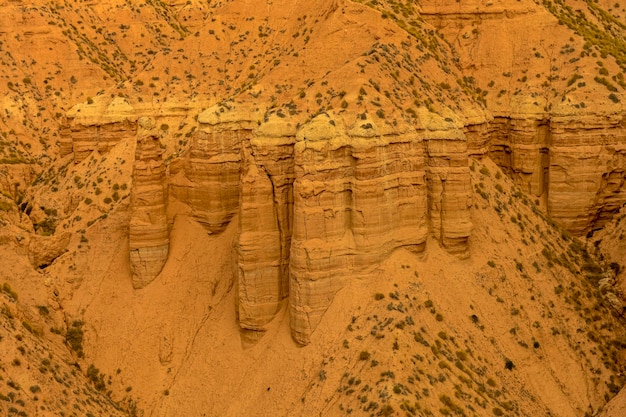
207, 177
148, 233
441, 213
265, 213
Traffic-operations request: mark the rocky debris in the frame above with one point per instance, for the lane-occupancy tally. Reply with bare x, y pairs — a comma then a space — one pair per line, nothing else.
43, 250
148, 235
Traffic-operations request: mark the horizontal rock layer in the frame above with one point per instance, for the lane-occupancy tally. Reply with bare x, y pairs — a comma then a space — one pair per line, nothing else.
323, 202
81, 139
207, 177
148, 233
573, 164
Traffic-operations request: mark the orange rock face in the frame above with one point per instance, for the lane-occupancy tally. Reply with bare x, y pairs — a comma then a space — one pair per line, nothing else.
148, 234
323, 203
573, 164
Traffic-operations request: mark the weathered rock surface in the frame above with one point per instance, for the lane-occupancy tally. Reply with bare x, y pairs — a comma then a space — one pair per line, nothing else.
323, 203
148, 233
265, 222
360, 192
555, 129
96, 127
572, 163
43, 250
207, 178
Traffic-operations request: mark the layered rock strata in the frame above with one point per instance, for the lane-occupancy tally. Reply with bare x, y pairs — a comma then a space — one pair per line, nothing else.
359, 194
96, 127
322, 203
265, 222
207, 177
587, 166
572, 163
148, 233
449, 187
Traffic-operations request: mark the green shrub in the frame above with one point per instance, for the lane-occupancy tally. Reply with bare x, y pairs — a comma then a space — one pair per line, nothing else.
74, 337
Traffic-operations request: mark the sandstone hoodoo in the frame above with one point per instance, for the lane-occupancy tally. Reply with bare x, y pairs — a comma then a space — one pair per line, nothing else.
148, 235
312, 207
317, 205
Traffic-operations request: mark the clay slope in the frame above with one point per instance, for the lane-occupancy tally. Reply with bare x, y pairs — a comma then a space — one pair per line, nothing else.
422, 332
204, 183
39, 370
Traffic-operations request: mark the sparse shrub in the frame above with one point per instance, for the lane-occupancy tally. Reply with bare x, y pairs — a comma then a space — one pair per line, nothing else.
96, 377
6, 288
364, 355
74, 337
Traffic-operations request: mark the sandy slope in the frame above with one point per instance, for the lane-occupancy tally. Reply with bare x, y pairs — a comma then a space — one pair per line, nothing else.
178, 346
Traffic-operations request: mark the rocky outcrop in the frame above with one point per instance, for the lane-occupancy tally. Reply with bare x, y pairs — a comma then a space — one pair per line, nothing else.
265, 222
207, 177
148, 233
360, 192
573, 163
322, 203
587, 166
96, 126
43, 250
449, 188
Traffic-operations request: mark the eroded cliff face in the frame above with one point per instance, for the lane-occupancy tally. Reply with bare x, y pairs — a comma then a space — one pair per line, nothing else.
206, 177
148, 233
319, 203
96, 126
266, 216
573, 163
360, 192
557, 119
321, 200
322, 203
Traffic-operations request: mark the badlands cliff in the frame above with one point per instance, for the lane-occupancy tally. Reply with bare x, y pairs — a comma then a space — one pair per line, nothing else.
264, 159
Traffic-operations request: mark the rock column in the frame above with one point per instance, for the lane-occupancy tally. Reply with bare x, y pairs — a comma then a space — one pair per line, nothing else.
148, 236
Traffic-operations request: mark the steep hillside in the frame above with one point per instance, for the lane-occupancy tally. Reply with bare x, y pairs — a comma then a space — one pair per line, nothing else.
40, 370
519, 327
322, 207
